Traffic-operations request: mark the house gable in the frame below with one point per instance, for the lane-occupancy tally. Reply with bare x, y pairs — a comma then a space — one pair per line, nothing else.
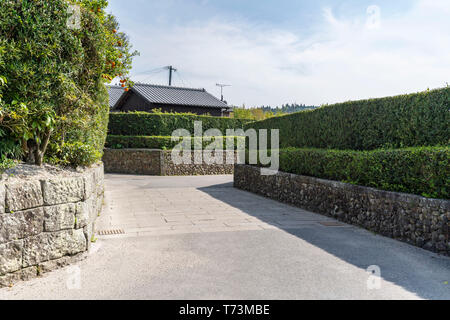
147, 98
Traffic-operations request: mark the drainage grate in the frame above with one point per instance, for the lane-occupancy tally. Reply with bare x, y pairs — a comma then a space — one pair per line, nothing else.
332, 224
110, 232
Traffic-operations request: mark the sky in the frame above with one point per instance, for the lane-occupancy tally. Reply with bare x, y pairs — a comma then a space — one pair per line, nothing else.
275, 52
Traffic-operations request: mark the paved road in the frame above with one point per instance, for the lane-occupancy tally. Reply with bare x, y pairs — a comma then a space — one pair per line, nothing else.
199, 238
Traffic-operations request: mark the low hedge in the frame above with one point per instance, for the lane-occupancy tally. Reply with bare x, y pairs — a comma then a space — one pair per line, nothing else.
154, 142
423, 171
413, 120
163, 124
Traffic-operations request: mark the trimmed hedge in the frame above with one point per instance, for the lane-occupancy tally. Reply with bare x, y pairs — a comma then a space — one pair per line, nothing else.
154, 142
421, 119
163, 124
423, 171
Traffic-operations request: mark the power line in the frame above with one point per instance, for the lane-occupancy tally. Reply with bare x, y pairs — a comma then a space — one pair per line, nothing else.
184, 80
181, 79
151, 71
153, 74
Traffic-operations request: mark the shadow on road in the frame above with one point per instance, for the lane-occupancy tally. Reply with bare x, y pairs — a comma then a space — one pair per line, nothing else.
414, 269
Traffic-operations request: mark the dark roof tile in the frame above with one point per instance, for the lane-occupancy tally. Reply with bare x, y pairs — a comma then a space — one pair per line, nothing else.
115, 92
177, 96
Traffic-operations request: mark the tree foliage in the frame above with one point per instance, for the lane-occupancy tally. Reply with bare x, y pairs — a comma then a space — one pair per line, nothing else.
256, 114
55, 92
267, 112
287, 108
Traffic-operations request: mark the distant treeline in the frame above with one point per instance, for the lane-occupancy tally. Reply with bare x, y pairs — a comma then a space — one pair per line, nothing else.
266, 112
287, 108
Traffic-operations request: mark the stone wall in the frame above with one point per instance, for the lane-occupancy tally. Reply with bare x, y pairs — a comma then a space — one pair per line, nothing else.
416, 220
46, 219
133, 161
200, 167
159, 163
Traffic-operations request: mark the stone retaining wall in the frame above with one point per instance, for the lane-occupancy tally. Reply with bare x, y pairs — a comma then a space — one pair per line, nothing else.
201, 167
133, 161
159, 163
46, 221
417, 220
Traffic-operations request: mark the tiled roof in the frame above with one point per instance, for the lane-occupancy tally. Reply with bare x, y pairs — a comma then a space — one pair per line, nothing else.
115, 92
177, 96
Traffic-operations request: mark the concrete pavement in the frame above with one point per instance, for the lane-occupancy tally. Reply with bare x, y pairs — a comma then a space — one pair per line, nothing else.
176, 205
199, 238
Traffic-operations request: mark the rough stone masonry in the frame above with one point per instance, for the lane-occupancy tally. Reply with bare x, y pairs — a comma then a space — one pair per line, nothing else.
157, 162
416, 220
47, 218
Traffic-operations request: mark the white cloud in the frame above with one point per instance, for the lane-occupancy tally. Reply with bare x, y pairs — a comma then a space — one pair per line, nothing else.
345, 59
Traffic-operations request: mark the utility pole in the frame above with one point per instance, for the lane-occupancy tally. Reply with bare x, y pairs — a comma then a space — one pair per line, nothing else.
171, 69
221, 89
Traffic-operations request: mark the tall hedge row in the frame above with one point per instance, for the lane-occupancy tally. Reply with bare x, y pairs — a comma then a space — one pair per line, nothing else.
421, 119
166, 143
163, 124
423, 171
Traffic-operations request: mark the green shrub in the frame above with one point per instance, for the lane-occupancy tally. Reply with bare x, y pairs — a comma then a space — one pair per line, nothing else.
6, 163
421, 119
83, 128
423, 171
8, 146
163, 124
154, 142
75, 154
55, 76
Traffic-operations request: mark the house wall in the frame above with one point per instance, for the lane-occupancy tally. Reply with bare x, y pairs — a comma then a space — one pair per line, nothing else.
136, 103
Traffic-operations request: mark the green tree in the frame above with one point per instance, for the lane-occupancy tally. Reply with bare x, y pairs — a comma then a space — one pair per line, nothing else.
256, 114
242, 113
56, 75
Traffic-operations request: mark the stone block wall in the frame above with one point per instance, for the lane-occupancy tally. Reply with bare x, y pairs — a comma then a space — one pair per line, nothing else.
133, 161
200, 167
159, 163
420, 221
46, 220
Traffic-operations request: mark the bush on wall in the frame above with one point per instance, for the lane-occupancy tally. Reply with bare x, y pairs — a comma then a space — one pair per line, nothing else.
55, 96
423, 171
163, 124
420, 119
